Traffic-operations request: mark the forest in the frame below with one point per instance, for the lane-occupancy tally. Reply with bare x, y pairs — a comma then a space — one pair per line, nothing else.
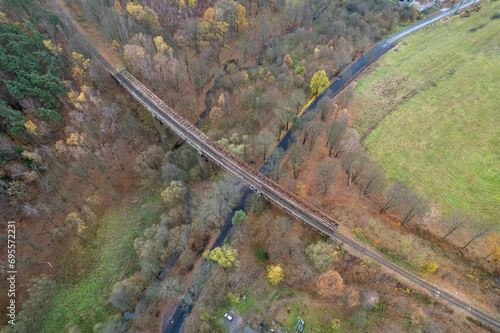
118, 220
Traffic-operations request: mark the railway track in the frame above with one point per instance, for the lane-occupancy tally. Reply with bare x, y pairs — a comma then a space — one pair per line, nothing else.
435, 292
274, 192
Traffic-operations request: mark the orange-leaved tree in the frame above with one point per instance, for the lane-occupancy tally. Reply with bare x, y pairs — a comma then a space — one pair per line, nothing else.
330, 284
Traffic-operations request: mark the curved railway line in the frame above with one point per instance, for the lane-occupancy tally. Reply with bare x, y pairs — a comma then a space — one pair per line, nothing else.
285, 199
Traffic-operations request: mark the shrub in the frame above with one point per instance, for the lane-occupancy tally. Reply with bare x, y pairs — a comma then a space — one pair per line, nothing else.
262, 254
321, 255
431, 266
239, 217
275, 274
359, 319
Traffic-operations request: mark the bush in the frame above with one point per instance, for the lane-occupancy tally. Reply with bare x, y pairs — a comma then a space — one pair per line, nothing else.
262, 254
431, 267
239, 217
321, 255
124, 295
359, 319
380, 307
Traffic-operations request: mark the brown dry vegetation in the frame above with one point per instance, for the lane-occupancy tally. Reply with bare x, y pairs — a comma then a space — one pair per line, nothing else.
251, 99
387, 303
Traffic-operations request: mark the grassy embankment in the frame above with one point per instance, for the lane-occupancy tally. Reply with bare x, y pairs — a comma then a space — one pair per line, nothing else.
430, 113
87, 277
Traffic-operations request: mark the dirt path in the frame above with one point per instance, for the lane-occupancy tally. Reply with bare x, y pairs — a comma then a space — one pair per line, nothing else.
92, 35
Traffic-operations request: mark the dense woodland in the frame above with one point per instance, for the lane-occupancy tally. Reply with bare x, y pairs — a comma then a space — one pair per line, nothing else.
75, 149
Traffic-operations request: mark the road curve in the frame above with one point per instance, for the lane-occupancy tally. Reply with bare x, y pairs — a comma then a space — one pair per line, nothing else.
358, 66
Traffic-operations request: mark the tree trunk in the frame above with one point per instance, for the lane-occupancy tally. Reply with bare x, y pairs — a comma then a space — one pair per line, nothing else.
161, 132
473, 238
385, 207
408, 217
488, 255
449, 233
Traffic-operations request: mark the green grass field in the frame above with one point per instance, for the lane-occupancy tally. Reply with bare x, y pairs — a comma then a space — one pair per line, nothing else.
86, 280
430, 113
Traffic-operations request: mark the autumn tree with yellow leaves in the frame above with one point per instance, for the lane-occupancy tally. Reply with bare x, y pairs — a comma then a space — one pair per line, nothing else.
80, 69
144, 15
494, 245
319, 82
212, 29
275, 274
242, 20
55, 48
74, 218
225, 256
174, 194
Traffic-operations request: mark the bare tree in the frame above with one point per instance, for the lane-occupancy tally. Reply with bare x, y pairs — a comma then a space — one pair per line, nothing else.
427, 216
283, 224
124, 295
345, 97
335, 136
170, 287
395, 196
325, 174
415, 205
354, 164
264, 142
457, 220
478, 229
191, 34
325, 107
255, 203
272, 166
373, 181
282, 116
220, 201
312, 132
190, 298
297, 159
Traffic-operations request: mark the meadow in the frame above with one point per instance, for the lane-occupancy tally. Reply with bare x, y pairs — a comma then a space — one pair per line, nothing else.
87, 277
428, 111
